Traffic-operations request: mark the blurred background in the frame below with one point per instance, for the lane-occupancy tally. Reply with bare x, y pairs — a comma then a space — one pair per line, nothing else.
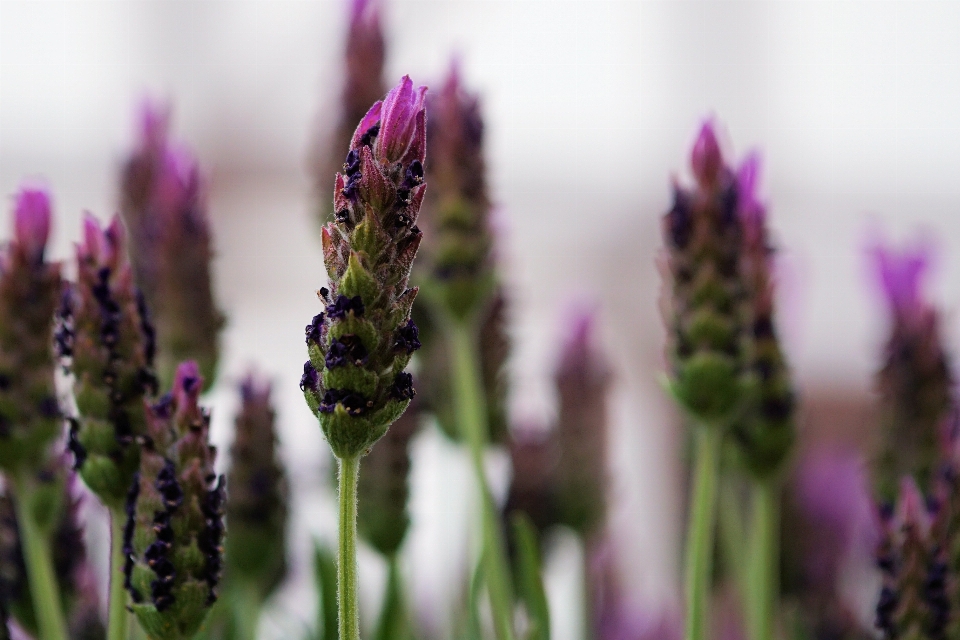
591, 107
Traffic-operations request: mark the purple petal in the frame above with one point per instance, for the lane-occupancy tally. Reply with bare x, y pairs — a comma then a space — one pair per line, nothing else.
900, 274
32, 222
187, 384
752, 211
398, 122
706, 158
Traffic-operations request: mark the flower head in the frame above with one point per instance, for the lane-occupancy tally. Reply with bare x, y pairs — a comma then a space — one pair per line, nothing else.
30, 416
362, 341
106, 340
170, 245
174, 532
257, 505
900, 273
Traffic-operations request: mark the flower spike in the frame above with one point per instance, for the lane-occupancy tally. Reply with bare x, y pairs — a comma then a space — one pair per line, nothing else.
30, 416
359, 345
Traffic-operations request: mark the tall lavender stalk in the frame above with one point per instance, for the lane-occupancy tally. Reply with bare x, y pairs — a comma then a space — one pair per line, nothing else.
703, 299
163, 205
30, 416
361, 342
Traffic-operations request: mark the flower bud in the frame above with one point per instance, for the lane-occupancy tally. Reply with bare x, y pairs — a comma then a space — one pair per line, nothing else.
30, 416
106, 340
360, 344
174, 531
703, 302
170, 244
257, 505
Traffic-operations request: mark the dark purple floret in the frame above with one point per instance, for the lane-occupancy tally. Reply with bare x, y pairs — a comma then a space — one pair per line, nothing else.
312, 330
163, 408
344, 305
209, 540
347, 349
49, 407
168, 486
367, 138
402, 387
728, 208
680, 221
350, 189
310, 378
408, 337
353, 402
886, 607
935, 593
352, 163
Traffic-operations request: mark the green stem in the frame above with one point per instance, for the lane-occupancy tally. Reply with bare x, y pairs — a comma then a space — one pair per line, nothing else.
472, 419
347, 581
733, 540
700, 531
117, 608
39, 563
764, 559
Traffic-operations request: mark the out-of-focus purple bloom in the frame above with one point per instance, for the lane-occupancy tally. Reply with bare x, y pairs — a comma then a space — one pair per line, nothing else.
706, 158
753, 213
901, 273
403, 123
32, 222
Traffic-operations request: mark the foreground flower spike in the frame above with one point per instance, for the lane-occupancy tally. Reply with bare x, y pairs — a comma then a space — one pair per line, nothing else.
174, 532
583, 383
363, 85
106, 340
457, 208
30, 417
916, 380
912, 601
382, 518
163, 205
359, 345
257, 505
765, 434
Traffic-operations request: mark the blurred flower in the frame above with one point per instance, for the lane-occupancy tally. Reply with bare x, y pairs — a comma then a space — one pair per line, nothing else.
30, 416
164, 208
383, 490
106, 341
256, 508
916, 380
174, 531
359, 346
705, 290
533, 457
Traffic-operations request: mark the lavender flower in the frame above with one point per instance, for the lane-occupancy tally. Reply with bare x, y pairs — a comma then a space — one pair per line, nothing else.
363, 85
30, 417
106, 340
765, 434
916, 380
703, 234
383, 491
163, 205
583, 382
257, 505
173, 537
368, 251
533, 458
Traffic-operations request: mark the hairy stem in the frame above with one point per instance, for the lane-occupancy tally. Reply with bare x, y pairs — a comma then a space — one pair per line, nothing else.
347, 580
39, 563
246, 611
700, 530
471, 414
764, 559
117, 606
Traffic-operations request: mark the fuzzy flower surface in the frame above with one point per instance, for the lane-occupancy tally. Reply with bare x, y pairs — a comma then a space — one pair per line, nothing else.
705, 292
30, 416
173, 539
916, 379
765, 433
363, 84
106, 341
163, 205
257, 507
361, 342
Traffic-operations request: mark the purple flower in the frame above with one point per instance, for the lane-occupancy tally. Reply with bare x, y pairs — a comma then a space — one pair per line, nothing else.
900, 273
403, 124
32, 222
752, 212
706, 158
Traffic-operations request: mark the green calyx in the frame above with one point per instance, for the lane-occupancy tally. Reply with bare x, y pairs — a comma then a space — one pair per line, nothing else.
708, 385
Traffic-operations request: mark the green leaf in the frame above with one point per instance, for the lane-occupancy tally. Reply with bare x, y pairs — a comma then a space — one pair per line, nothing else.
393, 623
325, 578
529, 579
